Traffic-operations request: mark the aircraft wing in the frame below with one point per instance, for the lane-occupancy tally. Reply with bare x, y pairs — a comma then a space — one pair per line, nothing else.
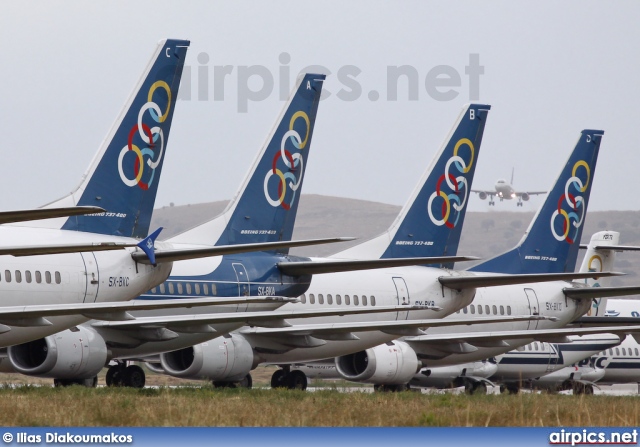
530, 193
348, 265
35, 315
47, 213
490, 193
273, 318
451, 342
170, 255
588, 293
332, 331
475, 281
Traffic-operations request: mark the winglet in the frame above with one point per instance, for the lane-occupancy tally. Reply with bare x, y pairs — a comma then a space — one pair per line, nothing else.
148, 246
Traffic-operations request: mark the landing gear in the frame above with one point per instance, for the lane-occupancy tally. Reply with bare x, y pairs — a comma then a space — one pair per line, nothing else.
381, 388
510, 388
293, 380
491, 202
89, 383
582, 388
246, 382
473, 387
131, 376
519, 204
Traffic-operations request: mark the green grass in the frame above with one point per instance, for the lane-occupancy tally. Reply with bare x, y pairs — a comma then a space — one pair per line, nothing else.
205, 406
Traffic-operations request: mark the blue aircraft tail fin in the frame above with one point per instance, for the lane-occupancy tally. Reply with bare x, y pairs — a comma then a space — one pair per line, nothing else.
552, 241
431, 221
123, 176
265, 207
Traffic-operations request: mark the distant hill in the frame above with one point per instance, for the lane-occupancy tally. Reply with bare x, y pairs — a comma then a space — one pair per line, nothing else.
484, 234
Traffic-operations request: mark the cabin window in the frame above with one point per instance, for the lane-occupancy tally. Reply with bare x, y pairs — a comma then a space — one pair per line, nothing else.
480, 309
464, 310
47, 277
536, 347
495, 310
312, 298
364, 300
188, 288
329, 299
214, 289
179, 285
303, 299
508, 310
7, 275
624, 351
58, 278
197, 287
372, 300
171, 290
617, 351
473, 309
486, 309
162, 288
356, 301
338, 300
18, 276
347, 300
27, 276
636, 351
501, 310
38, 277
205, 288
320, 298
152, 290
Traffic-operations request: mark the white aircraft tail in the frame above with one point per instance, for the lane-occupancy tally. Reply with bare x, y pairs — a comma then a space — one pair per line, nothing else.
599, 258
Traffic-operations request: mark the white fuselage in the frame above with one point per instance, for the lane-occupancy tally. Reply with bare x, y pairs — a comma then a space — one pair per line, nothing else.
504, 190
101, 276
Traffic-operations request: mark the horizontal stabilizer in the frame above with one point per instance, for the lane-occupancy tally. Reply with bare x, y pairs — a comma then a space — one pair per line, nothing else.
605, 321
205, 252
588, 293
47, 213
348, 265
36, 250
472, 282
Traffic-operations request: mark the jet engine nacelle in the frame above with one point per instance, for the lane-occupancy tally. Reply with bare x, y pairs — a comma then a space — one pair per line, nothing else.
155, 367
393, 363
525, 197
482, 195
228, 358
76, 353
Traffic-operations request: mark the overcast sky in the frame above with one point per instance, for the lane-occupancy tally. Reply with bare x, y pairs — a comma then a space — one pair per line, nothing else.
551, 69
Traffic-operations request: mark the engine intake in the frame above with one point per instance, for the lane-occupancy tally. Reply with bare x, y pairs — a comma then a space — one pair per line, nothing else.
393, 363
77, 353
228, 358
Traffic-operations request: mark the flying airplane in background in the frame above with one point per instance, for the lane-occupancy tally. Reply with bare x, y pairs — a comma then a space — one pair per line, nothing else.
504, 191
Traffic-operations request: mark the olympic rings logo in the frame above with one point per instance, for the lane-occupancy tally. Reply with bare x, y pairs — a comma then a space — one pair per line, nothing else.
454, 185
292, 163
575, 216
150, 136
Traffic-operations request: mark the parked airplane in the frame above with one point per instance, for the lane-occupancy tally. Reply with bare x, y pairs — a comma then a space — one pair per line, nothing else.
505, 191
262, 216
545, 248
59, 263
323, 338
524, 365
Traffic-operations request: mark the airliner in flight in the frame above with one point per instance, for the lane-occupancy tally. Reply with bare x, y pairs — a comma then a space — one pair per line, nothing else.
505, 191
